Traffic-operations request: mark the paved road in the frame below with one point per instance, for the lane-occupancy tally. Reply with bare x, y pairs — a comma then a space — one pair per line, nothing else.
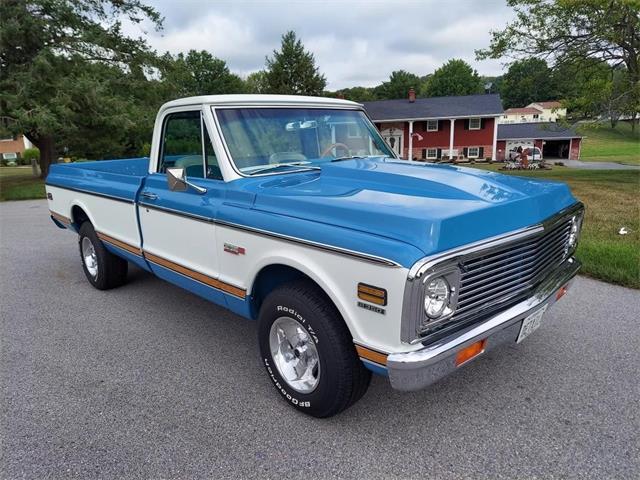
149, 381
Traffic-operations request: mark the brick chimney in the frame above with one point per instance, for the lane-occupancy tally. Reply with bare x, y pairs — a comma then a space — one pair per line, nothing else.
412, 95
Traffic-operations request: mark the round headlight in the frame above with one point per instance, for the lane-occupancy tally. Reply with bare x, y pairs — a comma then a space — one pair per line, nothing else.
436, 297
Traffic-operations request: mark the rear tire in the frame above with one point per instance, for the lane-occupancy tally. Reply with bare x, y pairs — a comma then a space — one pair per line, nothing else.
308, 351
103, 269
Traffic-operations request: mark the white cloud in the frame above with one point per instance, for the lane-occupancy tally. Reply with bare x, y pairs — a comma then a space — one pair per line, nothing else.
355, 43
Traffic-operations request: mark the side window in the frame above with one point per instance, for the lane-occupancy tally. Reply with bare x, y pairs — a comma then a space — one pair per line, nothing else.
182, 143
213, 169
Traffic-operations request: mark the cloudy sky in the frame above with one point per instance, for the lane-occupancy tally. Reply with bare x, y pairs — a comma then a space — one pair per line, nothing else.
355, 42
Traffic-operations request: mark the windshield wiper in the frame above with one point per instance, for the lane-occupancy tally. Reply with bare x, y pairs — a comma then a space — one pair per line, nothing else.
275, 166
349, 157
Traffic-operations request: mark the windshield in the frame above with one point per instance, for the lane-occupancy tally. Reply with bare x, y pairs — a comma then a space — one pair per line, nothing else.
264, 140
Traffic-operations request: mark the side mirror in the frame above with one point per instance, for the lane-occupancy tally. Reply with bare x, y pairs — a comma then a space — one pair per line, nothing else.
177, 181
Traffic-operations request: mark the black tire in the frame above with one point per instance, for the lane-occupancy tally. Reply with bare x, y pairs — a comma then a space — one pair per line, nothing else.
342, 379
111, 269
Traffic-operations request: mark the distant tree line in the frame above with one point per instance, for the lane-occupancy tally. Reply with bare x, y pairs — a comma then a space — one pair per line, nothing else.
76, 86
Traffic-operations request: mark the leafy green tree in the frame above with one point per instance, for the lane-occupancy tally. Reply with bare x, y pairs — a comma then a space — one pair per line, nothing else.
456, 77
398, 85
60, 64
355, 94
198, 73
256, 82
491, 84
293, 70
527, 81
30, 154
574, 33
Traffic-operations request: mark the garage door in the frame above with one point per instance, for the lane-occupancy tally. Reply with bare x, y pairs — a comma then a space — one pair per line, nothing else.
514, 144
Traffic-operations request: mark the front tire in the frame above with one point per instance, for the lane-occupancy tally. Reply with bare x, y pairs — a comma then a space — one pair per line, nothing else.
308, 352
103, 269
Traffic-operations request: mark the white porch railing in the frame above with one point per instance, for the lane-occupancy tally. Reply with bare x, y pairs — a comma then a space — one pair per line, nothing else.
454, 153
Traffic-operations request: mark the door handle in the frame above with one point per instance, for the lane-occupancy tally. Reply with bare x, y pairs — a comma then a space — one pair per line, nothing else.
149, 195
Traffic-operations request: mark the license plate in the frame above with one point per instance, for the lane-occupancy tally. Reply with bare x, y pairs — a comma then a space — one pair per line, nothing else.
531, 324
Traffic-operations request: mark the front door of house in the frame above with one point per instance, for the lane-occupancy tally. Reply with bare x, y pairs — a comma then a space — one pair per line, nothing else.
394, 138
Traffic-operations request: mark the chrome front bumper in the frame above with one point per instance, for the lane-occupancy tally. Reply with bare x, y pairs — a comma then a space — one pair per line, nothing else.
418, 369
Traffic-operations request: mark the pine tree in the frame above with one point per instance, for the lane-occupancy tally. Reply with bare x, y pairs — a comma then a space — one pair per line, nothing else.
292, 70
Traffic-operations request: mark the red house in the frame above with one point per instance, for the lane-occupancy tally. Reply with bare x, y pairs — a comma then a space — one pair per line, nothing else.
439, 128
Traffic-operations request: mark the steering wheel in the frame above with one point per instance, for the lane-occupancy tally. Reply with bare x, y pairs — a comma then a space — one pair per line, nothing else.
331, 147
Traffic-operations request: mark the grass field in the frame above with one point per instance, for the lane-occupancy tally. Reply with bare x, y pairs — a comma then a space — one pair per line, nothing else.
603, 143
18, 183
612, 201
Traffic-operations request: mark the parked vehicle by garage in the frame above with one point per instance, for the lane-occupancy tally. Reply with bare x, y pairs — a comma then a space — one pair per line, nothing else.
293, 211
534, 154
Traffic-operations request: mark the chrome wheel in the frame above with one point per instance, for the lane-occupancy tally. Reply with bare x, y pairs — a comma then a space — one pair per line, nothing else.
89, 257
294, 354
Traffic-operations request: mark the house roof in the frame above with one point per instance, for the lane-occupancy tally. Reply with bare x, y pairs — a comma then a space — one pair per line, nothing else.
538, 130
435, 107
521, 111
547, 105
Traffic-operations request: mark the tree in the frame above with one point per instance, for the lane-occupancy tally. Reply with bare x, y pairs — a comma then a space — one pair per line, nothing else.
574, 33
491, 84
456, 77
198, 73
59, 64
355, 94
398, 85
256, 82
526, 81
292, 70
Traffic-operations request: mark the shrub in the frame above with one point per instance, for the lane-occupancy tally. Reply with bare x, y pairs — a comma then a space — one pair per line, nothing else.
29, 154
145, 151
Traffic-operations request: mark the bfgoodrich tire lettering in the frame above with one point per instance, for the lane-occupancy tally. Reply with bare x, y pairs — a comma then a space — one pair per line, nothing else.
109, 270
342, 378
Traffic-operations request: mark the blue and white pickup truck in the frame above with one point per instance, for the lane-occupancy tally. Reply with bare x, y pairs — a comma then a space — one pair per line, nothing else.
293, 211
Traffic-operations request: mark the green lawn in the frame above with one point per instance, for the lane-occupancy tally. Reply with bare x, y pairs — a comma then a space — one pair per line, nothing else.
612, 201
603, 143
18, 183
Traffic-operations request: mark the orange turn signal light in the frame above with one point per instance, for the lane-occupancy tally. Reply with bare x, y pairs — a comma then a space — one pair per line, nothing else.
372, 294
561, 293
470, 352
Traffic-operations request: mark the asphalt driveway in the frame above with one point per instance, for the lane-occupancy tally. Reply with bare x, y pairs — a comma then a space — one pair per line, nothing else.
596, 165
149, 381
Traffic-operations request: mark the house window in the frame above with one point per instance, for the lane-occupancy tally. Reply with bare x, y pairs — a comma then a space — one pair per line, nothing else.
536, 116
473, 152
432, 125
432, 153
353, 131
475, 124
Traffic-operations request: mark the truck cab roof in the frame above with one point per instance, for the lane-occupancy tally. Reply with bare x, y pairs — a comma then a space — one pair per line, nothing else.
259, 100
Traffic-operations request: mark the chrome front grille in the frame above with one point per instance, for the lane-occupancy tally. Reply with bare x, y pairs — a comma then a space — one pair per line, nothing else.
493, 278
494, 274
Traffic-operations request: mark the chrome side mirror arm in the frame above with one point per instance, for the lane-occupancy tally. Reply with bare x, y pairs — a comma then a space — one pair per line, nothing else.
177, 181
